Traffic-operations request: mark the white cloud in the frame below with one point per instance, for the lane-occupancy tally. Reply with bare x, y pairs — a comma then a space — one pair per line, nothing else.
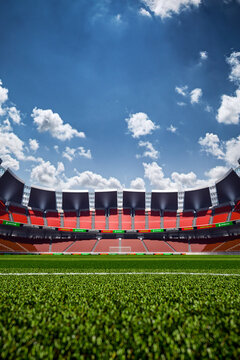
150, 151
70, 153
56, 148
195, 95
3, 94
181, 90
90, 180
216, 173
234, 61
154, 173
137, 184
144, 12
47, 174
228, 151
166, 8
14, 114
33, 144
229, 110
139, 124
172, 129
180, 103
208, 108
203, 55
117, 19
46, 120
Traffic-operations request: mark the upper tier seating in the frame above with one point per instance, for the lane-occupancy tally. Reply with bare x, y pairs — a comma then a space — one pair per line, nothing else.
19, 214
70, 219
36, 217
53, 219
186, 219
154, 220
85, 220
203, 217
170, 219
221, 214
100, 219
139, 219
113, 219
126, 219
236, 212
3, 212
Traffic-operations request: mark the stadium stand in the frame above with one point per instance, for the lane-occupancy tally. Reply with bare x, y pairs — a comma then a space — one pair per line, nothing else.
178, 245
36, 217
135, 244
154, 219
70, 219
81, 246
157, 246
61, 246
139, 219
126, 219
19, 214
170, 219
85, 219
203, 217
100, 219
113, 219
53, 219
236, 212
229, 245
3, 212
221, 214
104, 244
186, 219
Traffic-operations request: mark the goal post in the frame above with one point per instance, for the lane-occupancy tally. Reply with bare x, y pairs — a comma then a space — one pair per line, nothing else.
120, 249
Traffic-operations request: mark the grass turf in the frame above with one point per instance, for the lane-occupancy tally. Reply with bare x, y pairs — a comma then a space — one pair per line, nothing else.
143, 317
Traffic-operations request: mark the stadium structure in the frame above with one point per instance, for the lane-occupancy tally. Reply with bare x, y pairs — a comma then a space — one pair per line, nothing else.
34, 220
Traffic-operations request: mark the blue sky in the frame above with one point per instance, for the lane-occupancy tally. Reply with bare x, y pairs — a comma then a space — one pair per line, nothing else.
110, 94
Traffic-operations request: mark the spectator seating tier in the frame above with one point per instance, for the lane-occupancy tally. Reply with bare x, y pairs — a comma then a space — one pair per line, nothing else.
186, 219
70, 219
126, 219
82, 246
104, 245
154, 220
36, 217
157, 246
19, 214
221, 214
100, 220
113, 219
236, 212
139, 220
135, 245
85, 220
53, 219
203, 217
170, 219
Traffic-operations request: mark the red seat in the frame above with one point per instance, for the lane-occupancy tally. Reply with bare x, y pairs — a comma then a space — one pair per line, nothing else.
203, 217
70, 219
100, 220
221, 214
113, 219
186, 219
154, 220
170, 219
19, 214
36, 217
126, 219
53, 219
85, 220
139, 219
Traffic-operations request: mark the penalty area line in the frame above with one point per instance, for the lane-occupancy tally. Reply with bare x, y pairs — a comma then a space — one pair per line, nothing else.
114, 273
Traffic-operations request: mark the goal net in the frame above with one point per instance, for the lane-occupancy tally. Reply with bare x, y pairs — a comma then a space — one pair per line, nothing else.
120, 249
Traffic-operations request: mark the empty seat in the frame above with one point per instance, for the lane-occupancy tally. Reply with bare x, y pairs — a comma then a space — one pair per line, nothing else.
154, 220
139, 219
107, 245
126, 219
53, 219
81, 246
100, 220
203, 217
70, 219
132, 245
36, 217
85, 219
170, 219
157, 246
19, 214
186, 219
113, 219
221, 214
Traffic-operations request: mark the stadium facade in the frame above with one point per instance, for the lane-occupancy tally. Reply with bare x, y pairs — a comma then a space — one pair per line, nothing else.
37, 220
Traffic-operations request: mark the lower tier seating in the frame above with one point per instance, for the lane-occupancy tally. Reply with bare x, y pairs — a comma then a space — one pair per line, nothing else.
135, 245
104, 244
157, 246
60, 246
81, 246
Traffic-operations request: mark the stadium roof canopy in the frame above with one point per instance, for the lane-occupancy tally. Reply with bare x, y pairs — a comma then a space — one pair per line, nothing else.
164, 200
106, 199
42, 199
228, 188
75, 200
197, 199
11, 187
133, 199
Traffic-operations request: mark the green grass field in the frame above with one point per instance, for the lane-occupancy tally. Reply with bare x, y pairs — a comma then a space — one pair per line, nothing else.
140, 316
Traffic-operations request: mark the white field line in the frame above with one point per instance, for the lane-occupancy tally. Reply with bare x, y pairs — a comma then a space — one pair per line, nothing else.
115, 273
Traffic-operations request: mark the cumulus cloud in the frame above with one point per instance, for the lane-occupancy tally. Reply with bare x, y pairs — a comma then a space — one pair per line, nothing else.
172, 129
228, 151
150, 151
34, 145
195, 95
166, 9
144, 12
139, 124
203, 55
138, 184
229, 110
3, 94
14, 114
234, 61
217, 172
70, 153
47, 174
47, 121
181, 103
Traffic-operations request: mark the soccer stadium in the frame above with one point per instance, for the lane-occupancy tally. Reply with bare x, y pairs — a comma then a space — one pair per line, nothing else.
119, 179
37, 221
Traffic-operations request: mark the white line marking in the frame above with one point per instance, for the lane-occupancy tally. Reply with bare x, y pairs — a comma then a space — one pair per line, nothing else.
115, 273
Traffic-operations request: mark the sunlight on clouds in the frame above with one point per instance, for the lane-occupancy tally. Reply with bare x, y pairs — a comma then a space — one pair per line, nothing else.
167, 8
229, 110
139, 124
